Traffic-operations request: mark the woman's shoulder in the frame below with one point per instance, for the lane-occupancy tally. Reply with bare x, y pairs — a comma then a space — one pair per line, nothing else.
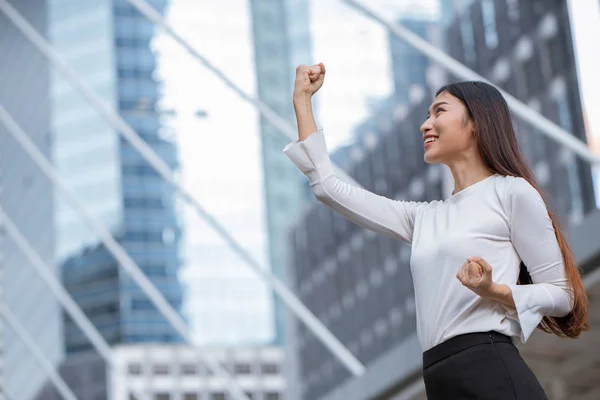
514, 184
514, 188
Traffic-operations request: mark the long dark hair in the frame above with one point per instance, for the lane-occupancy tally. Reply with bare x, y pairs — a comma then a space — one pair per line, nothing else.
499, 149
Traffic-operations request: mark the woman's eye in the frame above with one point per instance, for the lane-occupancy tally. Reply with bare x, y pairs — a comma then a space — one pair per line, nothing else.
438, 110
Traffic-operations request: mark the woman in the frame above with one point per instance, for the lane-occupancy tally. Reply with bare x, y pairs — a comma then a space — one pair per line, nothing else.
468, 251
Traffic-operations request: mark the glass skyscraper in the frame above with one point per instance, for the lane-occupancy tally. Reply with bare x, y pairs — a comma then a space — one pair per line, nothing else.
26, 196
282, 41
113, 55
409, 65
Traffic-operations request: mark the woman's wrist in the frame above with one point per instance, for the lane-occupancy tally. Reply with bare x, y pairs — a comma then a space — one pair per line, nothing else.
304, 115
501, 293
301, 99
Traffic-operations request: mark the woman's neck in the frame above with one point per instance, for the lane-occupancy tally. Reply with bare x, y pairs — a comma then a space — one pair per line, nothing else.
466, 174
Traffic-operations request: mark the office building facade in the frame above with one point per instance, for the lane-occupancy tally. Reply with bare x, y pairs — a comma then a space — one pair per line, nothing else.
409, 66
281, 32
26, 197
359, 283
526, 49
173, 372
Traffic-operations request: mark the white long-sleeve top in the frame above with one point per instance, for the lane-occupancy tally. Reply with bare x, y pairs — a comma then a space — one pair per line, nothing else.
502, 219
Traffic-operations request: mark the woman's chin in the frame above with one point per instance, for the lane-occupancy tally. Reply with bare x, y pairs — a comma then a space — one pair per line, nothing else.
430, 158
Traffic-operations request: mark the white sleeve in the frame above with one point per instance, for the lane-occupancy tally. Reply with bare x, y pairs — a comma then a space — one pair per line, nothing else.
377, 213
534, 239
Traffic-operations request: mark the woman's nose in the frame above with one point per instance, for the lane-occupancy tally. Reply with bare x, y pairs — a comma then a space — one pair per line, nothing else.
427, 126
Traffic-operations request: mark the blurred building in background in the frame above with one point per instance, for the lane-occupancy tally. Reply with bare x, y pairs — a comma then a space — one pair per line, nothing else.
26, 196
359, 283
526, 48
1, 299
86, 374
173, 372
282, 40
1, 340
119, 188
409, 65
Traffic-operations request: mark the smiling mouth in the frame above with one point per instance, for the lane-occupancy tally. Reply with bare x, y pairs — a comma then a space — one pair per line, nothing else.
429, 141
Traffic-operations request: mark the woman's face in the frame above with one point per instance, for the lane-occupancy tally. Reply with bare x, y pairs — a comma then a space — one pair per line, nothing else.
447, 131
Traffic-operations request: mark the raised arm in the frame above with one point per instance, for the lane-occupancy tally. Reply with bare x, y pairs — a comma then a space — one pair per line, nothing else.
308, 81
309, 153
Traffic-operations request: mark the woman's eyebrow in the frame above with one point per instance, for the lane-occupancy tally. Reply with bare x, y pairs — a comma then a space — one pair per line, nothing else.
434, 105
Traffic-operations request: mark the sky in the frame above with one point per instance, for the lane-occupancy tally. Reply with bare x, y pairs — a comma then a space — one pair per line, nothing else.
219, 148
585, 22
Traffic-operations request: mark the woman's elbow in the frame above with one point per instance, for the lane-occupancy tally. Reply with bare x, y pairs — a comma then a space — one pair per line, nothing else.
320, 193
564, 306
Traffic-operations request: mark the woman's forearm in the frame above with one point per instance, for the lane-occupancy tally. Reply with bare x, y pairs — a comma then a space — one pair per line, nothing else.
304, 116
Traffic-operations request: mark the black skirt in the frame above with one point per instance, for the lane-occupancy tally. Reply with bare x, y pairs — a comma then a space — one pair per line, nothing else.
479, 366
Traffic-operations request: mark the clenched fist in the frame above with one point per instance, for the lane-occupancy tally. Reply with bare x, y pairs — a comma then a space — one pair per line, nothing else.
309, 79
476, 274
